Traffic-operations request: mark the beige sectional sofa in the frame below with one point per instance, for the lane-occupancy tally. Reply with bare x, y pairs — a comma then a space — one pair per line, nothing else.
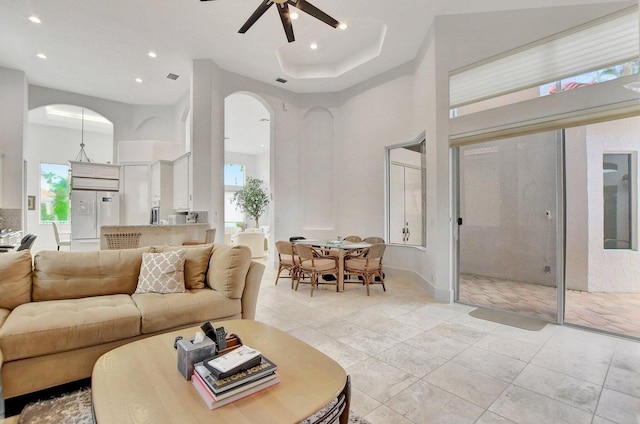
60, 311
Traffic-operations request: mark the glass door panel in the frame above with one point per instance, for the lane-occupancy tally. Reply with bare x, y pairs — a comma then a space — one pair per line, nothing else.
508, 238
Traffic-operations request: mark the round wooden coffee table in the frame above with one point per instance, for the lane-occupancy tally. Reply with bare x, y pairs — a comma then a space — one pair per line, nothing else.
140, 382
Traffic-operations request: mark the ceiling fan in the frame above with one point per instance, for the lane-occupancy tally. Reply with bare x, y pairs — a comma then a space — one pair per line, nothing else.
283, 10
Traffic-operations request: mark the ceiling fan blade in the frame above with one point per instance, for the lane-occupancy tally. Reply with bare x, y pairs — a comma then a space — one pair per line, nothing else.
266, 4
283, 9
315, 12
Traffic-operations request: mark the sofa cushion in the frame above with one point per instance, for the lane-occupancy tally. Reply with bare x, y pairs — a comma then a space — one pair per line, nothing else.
196, 262
15, 278
4, 313
162, 272
164, 311
72, 275
228, 269
40, 328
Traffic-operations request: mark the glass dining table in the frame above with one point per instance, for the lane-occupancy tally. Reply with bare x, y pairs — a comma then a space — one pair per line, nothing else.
337, 248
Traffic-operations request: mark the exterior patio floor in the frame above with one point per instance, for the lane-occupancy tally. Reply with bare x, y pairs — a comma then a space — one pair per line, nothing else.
613, 312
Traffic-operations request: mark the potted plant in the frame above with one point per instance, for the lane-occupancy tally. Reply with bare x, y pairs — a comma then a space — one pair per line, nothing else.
252, 199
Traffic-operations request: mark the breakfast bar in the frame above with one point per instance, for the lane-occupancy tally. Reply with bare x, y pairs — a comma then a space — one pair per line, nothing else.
151, 235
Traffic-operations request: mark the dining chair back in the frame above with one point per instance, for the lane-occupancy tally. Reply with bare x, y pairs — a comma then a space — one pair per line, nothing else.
287, 260
26, 242
57, 234
314, 265
368, 265
353, 239
373, 240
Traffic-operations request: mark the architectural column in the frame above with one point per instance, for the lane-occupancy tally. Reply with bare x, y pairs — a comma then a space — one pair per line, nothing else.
13, 118
206, 175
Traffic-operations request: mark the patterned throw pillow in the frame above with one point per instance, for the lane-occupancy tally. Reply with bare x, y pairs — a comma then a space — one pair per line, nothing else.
162, 272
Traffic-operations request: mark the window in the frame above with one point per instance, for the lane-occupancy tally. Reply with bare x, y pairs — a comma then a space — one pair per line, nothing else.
233, 180
595, 52
618, 200
233, 174
54, 193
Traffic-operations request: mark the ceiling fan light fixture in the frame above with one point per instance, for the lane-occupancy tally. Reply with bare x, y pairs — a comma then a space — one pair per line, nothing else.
294, 15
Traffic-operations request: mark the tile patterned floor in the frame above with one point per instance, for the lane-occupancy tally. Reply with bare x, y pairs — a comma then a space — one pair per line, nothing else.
413, 360
615, 312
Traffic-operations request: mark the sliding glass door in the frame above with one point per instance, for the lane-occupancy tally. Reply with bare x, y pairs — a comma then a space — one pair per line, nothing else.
510, 226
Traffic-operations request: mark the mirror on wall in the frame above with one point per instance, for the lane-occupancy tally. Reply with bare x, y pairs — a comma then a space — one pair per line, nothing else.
406, 193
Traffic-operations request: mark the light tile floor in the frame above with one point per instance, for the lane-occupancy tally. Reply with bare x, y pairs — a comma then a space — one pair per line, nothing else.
614, 312
413, 360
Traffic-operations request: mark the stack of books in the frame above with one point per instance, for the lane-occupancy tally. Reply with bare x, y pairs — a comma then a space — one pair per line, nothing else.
232, 376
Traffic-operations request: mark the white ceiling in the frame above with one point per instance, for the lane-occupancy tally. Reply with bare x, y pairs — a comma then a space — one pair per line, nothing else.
99, 48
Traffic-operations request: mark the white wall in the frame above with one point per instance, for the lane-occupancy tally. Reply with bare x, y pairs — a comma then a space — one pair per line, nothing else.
13, 118
130, 122
616, 271
57, 145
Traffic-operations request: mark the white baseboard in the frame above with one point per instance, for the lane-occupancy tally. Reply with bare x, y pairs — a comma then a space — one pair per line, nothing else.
440, 295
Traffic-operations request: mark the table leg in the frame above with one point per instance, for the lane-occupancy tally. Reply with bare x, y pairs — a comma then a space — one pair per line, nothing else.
340, 270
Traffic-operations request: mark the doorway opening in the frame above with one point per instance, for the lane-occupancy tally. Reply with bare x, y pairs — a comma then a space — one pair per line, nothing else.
248, 130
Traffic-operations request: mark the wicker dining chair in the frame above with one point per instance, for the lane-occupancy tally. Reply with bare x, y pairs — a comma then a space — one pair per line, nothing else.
353, 239
367, 264
314, 264
287, 260
373, 240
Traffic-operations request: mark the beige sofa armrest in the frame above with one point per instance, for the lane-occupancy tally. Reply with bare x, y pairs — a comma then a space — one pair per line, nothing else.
251, 290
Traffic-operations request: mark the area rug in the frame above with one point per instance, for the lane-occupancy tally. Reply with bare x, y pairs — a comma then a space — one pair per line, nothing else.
75, 408
507, 318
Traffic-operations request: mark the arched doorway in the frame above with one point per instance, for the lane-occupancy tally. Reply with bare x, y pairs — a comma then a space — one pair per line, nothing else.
248, 129
54, 134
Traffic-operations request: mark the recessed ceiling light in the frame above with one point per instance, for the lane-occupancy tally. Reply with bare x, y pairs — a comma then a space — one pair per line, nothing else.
262, 145
35, 19
138, 79
152, 54
313, 46
294, 15
42, 55
342, 25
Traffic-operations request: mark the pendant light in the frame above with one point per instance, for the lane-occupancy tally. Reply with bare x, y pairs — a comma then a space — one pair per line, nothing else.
82, 155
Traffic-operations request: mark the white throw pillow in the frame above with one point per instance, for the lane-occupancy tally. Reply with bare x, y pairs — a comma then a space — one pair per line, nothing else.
162, 272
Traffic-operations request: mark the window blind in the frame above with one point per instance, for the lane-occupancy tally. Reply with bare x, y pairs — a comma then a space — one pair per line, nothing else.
598, 44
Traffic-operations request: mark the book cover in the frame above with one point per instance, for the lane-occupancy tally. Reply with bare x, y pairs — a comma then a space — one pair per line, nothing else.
220, 385
237, 389
212, 403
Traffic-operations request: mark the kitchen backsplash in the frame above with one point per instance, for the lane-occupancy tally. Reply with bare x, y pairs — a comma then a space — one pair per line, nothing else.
11, 218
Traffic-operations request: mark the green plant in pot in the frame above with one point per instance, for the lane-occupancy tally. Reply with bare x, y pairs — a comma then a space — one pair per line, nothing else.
252, 199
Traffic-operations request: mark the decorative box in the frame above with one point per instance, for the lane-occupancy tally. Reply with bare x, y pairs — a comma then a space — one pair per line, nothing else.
190, 353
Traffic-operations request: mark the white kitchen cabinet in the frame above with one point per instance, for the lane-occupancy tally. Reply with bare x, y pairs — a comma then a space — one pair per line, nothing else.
162, 187
136, 207
181, 188
95, 176
95, 170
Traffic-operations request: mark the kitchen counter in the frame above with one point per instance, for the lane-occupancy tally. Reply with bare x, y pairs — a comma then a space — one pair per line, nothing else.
153, 235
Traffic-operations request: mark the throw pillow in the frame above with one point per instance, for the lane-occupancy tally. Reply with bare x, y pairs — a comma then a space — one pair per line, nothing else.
162, 272
196, 262
228, 269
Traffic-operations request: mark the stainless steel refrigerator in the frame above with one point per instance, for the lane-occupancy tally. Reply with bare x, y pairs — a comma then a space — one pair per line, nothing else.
89, 211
